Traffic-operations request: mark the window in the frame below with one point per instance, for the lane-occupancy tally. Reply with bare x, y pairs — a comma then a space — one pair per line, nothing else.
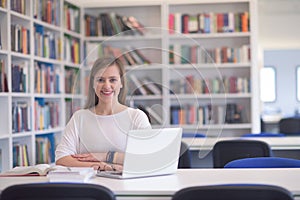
298, 83
268, 84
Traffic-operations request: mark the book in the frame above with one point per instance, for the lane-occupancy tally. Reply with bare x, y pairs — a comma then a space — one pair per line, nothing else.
73, 174
155, 115
34, 170
152, 86
138, 84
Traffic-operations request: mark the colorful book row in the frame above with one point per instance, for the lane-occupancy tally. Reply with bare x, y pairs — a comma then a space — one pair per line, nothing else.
18, 6
71, 49
45, 148
108, 24
20, 39
46, 114
71, 17
20, 155
19, 80
72, 80
192, 85
47, 11
207, 114
47, 44
209, 22
186, 54
128, 55
46, 78
143, 86
20, 117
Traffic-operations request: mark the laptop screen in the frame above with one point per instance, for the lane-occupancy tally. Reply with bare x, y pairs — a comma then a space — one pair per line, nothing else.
152, 151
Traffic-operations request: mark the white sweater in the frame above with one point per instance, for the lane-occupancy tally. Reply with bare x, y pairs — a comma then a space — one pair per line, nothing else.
87, 132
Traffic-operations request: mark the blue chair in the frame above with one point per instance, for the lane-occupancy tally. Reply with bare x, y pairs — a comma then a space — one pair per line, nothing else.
234, 192
228, 150
264, 162
193, 135
264, 134
57, 191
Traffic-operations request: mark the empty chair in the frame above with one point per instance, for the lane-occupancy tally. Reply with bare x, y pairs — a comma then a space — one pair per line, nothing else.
264, 134
185, 156
228, 150
234, 192
264, 162
290, 126
57, 191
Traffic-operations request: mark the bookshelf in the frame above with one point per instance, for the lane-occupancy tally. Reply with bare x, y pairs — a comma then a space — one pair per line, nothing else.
205, 70
148, 42
35, 65
74, 41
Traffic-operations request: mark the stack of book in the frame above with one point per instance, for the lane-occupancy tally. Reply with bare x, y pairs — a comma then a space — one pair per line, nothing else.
72, 174
55, 173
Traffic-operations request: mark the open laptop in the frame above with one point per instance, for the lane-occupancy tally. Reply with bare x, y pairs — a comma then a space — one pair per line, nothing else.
149, 152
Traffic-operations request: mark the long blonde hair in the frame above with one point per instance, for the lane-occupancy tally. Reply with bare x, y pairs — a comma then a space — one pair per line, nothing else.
101, 63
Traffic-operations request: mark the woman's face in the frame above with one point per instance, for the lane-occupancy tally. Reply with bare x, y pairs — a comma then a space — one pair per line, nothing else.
107, 84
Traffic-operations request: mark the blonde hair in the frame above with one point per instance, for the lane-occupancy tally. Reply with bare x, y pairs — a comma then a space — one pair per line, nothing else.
101, 63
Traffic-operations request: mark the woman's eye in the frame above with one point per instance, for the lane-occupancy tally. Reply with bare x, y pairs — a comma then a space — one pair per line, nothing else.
113, 80
100, 80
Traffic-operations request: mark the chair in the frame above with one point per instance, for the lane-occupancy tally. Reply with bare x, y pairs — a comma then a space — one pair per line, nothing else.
264, 134
234, 192
57, 191
290, 126
264, 162
185, 156
228, 150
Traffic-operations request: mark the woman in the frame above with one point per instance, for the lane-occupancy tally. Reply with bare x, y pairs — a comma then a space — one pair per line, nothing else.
96, 135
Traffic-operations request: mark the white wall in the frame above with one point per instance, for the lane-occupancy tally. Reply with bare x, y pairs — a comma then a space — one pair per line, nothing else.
279, 40
285, 63
279, 24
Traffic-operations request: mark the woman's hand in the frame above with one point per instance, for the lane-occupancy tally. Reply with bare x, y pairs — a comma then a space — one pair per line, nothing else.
89, 157
99, 157
103, 166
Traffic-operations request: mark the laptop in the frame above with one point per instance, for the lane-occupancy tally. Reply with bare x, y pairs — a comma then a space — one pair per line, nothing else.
149, 152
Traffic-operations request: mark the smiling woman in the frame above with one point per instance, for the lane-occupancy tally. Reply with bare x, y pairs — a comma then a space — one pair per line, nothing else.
96, 135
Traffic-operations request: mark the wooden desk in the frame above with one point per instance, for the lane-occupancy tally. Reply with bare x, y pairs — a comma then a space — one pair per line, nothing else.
163, 187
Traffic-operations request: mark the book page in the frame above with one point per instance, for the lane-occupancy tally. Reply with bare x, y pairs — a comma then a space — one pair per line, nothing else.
35, 170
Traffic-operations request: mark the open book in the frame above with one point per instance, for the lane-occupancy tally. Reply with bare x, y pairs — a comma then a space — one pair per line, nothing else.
35, 170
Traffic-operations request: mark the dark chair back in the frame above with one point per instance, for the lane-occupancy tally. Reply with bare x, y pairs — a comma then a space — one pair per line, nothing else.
264, 162
228, 150
234, 192
57, 191
185, 156
290, 126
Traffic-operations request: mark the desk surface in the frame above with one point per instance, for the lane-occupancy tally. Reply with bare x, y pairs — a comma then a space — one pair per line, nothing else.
163, 187
276, 143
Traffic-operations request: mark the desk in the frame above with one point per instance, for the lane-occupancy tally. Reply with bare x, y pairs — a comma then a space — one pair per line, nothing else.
276, 143
163, 187
201, 148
